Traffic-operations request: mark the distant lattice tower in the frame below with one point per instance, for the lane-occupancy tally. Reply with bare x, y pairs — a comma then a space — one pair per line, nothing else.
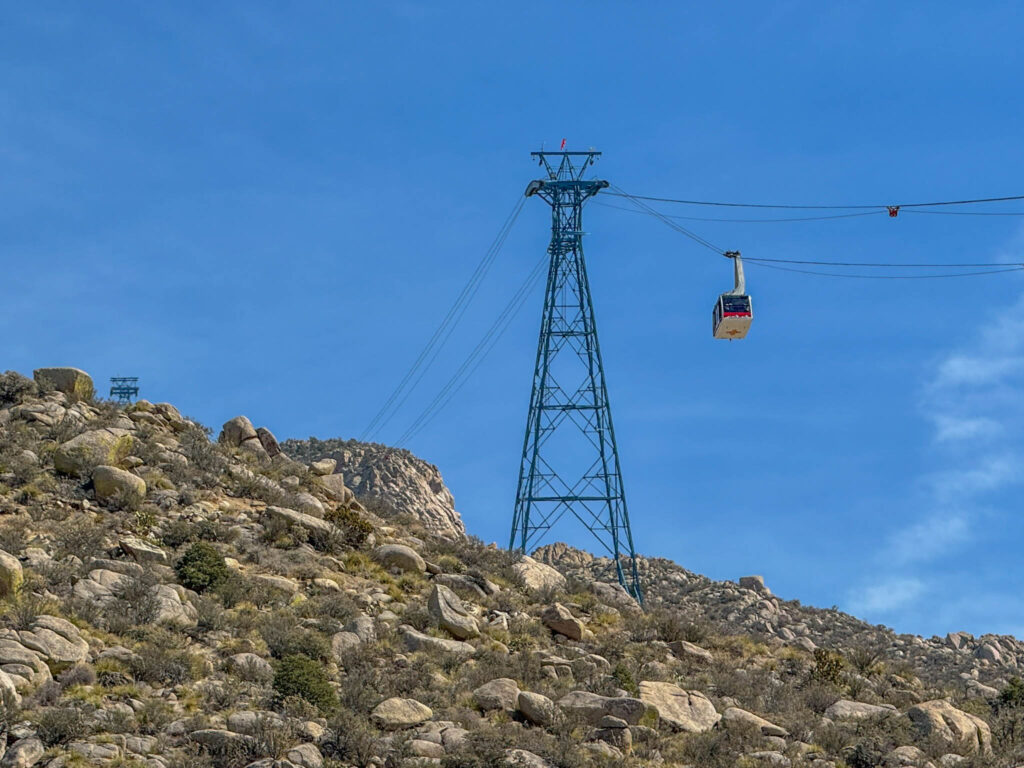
570, 462
124, 388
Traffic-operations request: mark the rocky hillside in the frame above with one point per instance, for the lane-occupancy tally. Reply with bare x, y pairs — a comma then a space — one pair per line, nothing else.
977, 666
172, 601
390, 478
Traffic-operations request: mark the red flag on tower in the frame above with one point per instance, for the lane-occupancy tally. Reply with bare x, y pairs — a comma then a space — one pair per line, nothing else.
563, 144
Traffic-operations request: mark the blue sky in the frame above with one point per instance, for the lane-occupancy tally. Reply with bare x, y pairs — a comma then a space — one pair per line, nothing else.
264, 208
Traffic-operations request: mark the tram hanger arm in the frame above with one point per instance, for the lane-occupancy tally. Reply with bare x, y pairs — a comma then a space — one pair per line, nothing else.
737, 263
594, 185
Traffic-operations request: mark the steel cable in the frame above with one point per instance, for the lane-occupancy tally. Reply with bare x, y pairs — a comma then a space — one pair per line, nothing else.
472, 362
443, 332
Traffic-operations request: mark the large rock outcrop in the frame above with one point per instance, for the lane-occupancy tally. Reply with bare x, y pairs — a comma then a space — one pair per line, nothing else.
941, 720
392, 476
71, 381
689, 711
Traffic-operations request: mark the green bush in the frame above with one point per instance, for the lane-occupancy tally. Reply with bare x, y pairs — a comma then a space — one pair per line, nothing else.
828, 667
301, 676
1012, 696
353, 527
14, 386
285, 637
625, 680
201, 568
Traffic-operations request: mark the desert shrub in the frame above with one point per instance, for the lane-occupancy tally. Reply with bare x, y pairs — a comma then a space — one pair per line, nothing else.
285, 637
67, 428
363, 686
252, 672
865, 754
208, 530
818, 697
190, 756
450, 564
473, 553
111, 673
158, 664
23, 469
716, 748
353, 528
210, 614
59, 725
237, 589
1007, 719
135, 605
14, 387
82, 537
178, 533
270, 739
282, 534
482, 749
201, 568
221, 694
116, 721
23, 610
14, 534
330, 605
154, 716
202, 455
1012, 696
828, 667
302, 676
47, 694
297, 708
79, 674
866, 659
257, 487
625, 680
672, 626
353, 738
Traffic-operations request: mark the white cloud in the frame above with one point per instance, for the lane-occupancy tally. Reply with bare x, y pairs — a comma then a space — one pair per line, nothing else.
950, 428
974, 399
927, 538
984, 369
885, 596
990, 473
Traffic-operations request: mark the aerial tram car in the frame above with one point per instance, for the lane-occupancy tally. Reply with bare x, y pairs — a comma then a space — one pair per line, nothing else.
733, 312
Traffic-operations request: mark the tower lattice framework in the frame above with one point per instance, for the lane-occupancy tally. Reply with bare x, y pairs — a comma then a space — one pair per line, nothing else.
570, 461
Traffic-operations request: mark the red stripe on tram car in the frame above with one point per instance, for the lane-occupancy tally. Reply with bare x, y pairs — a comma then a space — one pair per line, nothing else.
735, 314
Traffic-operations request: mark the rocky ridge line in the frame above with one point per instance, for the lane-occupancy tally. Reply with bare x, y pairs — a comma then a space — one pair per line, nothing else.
392, 476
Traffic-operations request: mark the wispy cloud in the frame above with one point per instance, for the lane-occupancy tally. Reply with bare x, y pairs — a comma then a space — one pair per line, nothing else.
979, 370
954, 428
886, 596
989, 473
974, 399
928, 538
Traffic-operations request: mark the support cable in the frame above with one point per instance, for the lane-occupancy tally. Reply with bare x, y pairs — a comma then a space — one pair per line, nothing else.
476, 357
878, 212
1004, 264
883, 206
759, 263
773, 263
763, 221
667, 221
443, 332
